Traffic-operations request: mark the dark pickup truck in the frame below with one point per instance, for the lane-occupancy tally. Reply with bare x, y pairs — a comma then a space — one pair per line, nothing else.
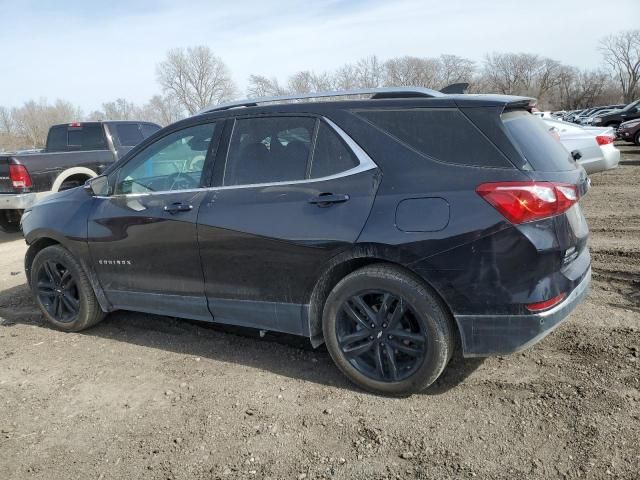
74, 153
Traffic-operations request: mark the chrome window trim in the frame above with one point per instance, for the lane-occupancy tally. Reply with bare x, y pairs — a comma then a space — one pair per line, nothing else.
365, 163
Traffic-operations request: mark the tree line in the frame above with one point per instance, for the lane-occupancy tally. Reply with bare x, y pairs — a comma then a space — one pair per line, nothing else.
194, 78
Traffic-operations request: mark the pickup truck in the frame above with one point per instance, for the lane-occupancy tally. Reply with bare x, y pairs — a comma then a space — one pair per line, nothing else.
74, 153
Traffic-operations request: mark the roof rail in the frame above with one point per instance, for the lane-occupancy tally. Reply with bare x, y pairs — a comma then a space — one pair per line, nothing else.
387, 92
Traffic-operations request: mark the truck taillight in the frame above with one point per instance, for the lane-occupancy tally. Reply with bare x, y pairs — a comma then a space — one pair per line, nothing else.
521, 202
19, 176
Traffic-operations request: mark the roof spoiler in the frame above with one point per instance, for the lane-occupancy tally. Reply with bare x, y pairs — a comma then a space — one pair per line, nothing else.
455, 88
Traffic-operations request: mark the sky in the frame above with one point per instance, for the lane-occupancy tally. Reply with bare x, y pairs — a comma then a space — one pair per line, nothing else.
90, 52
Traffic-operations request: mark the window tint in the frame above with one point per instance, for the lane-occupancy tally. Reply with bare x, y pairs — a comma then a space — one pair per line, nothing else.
443, 134
148, 129
331, 155
57, 141
270, 149
174, 162
532, 137
86, 137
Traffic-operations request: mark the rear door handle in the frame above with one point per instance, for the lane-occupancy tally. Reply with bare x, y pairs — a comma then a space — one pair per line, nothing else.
178, 207
327, 199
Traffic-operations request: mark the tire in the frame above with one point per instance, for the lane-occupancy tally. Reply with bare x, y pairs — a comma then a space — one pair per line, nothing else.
68, 185
62, 290
636, 139
420, 337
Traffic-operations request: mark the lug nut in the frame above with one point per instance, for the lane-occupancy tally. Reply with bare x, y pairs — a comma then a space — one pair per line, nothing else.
373, 325
384, 325
390, 337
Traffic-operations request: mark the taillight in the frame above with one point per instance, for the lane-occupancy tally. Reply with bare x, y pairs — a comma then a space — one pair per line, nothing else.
540, 306
604, 139
19, 176
521, 202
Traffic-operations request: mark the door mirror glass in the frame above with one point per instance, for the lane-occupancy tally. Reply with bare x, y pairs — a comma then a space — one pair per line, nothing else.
98, 186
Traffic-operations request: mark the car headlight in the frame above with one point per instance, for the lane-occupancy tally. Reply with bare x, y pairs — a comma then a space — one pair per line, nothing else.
597, 120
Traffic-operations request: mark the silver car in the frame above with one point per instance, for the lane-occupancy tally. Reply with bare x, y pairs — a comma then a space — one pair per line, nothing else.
595, 145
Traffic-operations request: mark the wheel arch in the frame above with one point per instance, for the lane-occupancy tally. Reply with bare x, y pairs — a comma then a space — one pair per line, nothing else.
347, 262
43, 242
77, 172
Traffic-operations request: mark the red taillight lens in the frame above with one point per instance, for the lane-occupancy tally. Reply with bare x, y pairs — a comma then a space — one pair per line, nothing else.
604, 139
552, 302
521, 202
19, 176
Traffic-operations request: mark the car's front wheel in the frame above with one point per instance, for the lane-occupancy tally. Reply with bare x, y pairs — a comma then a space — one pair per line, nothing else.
636, 139
63, 291
387, 331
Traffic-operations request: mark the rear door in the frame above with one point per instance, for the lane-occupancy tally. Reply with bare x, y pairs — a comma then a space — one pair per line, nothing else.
142, 237
292, 192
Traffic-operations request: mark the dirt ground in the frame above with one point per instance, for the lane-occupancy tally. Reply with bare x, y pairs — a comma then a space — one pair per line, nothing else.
144, 396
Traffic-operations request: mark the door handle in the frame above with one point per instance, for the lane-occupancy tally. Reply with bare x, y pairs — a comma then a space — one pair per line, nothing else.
328, 199
178, 207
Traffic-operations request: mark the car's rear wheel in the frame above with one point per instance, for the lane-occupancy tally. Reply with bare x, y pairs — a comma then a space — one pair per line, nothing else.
387, 331
63, 291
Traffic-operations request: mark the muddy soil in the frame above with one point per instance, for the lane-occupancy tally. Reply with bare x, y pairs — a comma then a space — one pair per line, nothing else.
143, 396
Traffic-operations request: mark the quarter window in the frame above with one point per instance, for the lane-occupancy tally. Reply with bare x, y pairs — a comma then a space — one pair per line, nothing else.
331, 155
174, 162
271, 149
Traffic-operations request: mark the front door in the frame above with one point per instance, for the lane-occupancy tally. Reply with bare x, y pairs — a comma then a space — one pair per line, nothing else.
293, 193
143, 237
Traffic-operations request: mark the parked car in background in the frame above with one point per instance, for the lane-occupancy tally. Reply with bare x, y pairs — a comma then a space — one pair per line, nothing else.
616, 117
630, 131
74, 153
391, 228
591, 112
588, 120
595, 145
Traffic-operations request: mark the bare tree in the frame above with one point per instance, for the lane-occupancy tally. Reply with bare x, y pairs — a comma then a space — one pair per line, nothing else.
455, 69
261, 86
7, 123
162, 110
412, 71
33, 119
622, 53
370, 72
307, 82
196, 77
120, 109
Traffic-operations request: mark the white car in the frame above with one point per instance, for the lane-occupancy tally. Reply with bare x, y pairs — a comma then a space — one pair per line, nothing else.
595, 144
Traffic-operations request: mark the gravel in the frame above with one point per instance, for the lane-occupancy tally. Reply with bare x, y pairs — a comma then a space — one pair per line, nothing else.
143, 396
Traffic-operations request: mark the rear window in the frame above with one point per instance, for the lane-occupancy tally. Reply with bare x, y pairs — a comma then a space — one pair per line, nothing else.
66, 138
443, 134
131, 134
532, 138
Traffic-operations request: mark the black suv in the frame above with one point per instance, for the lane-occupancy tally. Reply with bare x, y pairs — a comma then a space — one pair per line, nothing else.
392, 228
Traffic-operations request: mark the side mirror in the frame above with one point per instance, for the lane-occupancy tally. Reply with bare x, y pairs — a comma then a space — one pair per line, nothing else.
97, 186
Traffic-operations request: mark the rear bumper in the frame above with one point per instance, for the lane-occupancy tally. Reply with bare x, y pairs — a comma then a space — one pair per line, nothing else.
609, 159
20, 201
486, 335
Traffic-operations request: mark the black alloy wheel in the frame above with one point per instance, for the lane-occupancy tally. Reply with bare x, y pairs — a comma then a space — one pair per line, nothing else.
379, 334
58, 291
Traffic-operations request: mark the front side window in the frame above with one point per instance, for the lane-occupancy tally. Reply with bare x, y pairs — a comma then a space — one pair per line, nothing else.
269, 149
174, 162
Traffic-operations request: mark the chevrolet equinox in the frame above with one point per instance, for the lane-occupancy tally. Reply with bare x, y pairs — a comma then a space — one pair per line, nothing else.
394, 225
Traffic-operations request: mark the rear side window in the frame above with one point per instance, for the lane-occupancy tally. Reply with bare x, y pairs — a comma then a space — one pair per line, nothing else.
331, 154
531, 136
445, 135
269, 149
57, 141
